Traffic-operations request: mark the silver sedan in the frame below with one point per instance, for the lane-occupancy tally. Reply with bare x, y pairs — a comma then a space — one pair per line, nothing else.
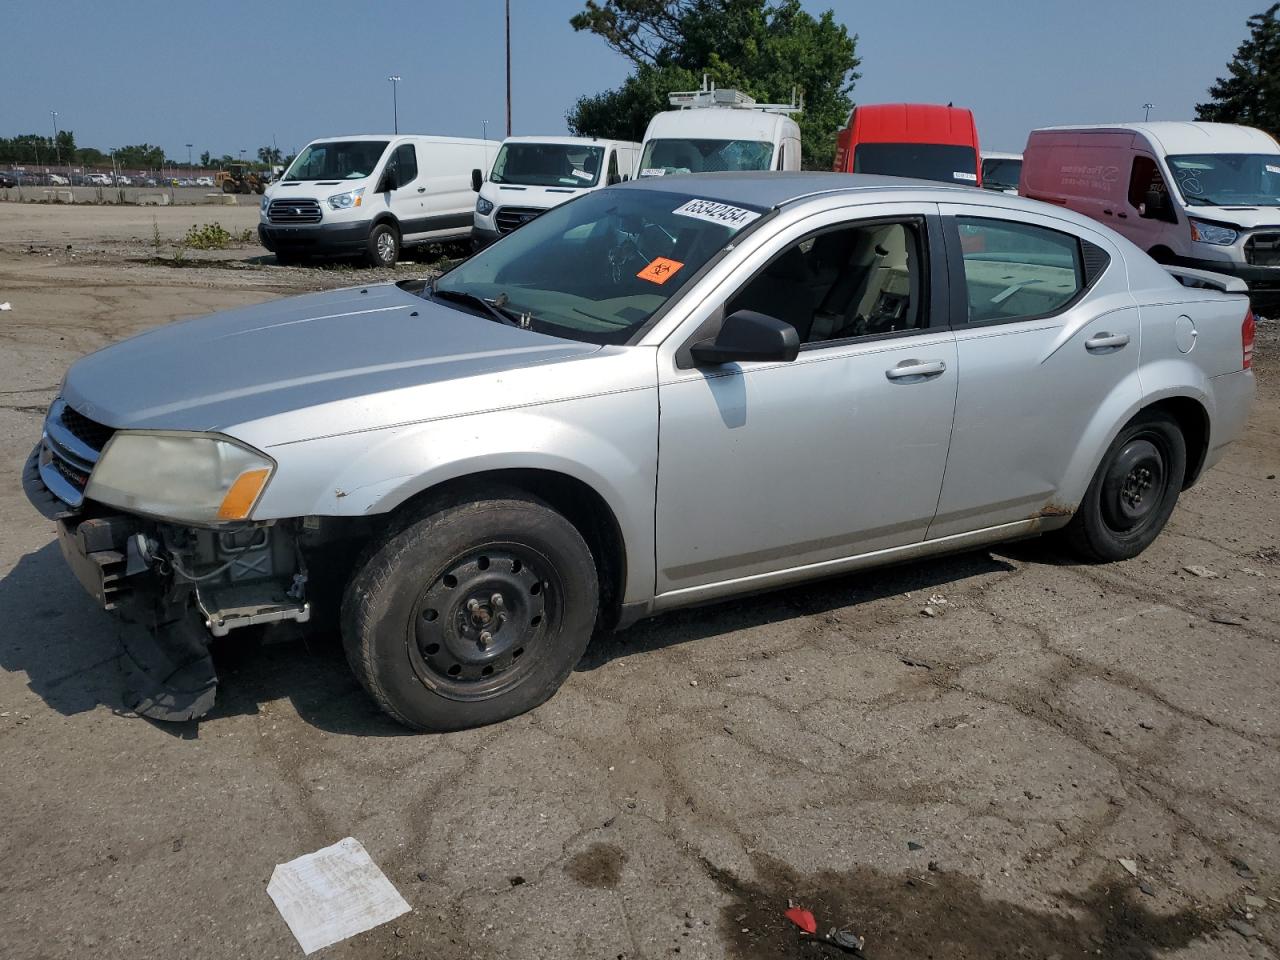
660, 394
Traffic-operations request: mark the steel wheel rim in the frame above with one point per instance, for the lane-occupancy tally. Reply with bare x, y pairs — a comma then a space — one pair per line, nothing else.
1135, 484
479, 626
386, 247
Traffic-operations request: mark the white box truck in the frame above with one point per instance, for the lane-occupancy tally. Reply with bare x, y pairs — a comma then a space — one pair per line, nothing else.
372, 195
1200, 195
714, 130
533, 174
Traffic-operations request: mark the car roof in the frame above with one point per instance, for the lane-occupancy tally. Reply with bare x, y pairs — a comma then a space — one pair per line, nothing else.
774, 188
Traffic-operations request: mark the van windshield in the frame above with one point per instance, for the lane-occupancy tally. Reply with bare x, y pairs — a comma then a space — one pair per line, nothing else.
1001, 173
1228, 179
548, 164
596, 268
663, 157
337, 160
925, 161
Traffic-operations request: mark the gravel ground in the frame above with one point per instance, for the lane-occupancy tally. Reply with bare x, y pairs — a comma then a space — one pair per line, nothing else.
959, 786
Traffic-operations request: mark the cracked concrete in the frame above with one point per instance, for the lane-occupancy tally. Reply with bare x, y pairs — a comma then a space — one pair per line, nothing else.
1053, 719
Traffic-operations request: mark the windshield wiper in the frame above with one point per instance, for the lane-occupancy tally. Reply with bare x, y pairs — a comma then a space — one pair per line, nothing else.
493, 308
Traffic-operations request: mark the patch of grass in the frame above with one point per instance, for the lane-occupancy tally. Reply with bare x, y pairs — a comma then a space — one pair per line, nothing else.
212, 236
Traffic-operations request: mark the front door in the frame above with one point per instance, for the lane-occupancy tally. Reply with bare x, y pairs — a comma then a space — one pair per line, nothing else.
407, 198
1047, 343
764, 467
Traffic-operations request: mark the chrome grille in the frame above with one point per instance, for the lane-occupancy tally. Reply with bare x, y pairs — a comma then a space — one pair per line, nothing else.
508, 218
302, 210
71, 446
1263, 250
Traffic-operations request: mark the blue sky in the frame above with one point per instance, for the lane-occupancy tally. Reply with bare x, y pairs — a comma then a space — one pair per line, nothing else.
244, 72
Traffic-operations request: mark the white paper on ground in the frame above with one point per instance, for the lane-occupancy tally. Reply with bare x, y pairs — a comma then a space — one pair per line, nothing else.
6, 305
333, 894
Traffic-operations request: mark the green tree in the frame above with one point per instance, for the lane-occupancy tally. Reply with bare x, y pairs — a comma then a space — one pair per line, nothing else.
765, 49
204, 159
141, 156
1250, 93
269, 155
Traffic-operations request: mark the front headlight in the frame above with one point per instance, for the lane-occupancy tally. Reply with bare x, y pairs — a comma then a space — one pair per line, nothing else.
188, 477
345, 201
266, 201
1213, 233
483, 207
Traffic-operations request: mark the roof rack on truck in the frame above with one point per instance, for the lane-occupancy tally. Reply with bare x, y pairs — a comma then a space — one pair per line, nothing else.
711, 96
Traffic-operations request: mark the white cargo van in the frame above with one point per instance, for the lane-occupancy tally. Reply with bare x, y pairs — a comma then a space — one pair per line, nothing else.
1203, 195
372, 195
715, 130
1001, 171
533, 174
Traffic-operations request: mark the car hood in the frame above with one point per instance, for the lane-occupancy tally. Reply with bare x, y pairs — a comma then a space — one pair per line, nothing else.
210, 373
1241, 215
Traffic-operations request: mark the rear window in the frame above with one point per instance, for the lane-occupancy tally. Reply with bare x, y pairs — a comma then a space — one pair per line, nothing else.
1017, 271
925, 161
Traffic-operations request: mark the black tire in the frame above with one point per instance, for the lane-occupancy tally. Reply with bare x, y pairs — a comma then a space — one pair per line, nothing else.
384, 246
424, 615
1133, 492
286, 259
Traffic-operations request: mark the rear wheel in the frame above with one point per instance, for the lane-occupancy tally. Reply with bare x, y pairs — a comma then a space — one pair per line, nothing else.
384, 246
471, 615
1133, 492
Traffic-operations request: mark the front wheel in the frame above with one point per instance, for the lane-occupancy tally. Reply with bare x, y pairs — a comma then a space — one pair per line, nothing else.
1133, 492
473, 614
384, 246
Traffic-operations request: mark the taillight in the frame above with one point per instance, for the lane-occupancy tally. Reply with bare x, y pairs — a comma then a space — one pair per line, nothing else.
1247, 331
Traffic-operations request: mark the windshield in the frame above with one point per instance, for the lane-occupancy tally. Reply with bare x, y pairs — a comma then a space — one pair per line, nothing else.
1001, 174
597, 268
925, 161
337, 160
1228, 179
548, 164
704, 156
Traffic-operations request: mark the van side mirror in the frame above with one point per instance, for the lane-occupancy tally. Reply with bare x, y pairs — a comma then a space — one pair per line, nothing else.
747, 335
1158, 206
390, 180
614, 178
477, 178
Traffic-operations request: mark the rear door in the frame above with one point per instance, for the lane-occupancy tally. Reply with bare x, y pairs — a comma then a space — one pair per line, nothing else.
1047, 342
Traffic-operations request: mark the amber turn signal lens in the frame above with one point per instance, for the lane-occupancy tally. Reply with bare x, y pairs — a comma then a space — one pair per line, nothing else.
243, 494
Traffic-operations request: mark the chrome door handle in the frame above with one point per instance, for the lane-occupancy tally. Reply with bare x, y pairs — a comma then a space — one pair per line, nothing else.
422, 189
1106, 341
916, 368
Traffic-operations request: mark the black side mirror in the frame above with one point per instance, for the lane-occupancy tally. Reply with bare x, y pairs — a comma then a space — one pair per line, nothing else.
1157, 206
477, 178
747, 335
614, 178
389, 182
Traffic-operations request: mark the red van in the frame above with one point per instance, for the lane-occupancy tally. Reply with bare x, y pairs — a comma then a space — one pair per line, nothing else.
920, 140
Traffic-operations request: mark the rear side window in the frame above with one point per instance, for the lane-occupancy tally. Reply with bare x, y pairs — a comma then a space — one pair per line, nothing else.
1017, 271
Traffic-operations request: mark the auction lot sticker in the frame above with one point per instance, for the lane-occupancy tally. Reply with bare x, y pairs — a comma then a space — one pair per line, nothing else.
660, 270
721, 213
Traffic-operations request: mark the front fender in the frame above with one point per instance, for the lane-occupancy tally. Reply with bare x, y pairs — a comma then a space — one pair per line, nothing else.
609, 443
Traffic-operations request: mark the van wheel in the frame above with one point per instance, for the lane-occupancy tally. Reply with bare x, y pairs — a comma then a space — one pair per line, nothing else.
384, 246
472, 614
1133, 492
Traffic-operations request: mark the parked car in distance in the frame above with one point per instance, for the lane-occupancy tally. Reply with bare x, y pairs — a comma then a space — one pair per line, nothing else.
1001, 171
839, 373
1203, 195
204, 181
373, 195
921, 140
98, 180
714, 130
533, 174
7, 180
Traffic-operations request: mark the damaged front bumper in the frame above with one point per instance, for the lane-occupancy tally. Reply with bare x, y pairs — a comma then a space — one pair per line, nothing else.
183, 584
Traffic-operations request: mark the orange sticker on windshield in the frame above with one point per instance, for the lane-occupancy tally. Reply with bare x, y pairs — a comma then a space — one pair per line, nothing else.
660, 270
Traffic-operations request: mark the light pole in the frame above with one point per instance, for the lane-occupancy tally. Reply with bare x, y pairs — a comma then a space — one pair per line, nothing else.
395, 106
57, 149
508, 68
485, 125
188, 159
115, 181
1147, 107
